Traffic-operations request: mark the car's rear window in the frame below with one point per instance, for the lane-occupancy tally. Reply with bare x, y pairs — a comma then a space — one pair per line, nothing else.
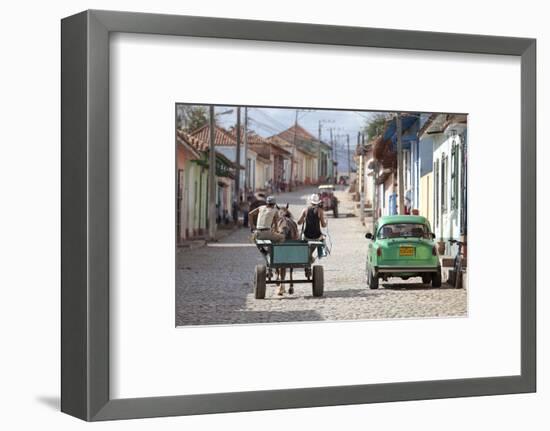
403, 230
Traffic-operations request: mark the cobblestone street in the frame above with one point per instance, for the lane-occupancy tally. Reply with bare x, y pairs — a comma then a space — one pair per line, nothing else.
215, 282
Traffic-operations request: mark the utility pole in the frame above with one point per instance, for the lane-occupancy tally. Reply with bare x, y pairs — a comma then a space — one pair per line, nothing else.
333, 167
375, 193
247, 173
349, 160
293, 150
212, 178
319, 152
238, 159
400, 166
322, 165
336, 139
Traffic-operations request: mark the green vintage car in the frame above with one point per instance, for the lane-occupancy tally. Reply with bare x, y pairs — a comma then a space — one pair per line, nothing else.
402, 246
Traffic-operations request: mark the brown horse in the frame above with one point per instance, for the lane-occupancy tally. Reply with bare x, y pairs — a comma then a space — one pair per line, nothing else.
286, 224
289, 228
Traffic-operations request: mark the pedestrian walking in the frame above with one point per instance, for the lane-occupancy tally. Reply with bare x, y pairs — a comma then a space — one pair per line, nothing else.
234, 212
267, 221
244, 207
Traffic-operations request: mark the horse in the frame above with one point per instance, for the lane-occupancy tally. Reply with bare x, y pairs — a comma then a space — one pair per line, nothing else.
289, 228
286, 224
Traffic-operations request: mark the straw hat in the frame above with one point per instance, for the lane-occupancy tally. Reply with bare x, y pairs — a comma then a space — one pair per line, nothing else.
314, 199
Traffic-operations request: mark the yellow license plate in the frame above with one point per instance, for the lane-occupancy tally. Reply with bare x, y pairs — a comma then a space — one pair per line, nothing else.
406, 251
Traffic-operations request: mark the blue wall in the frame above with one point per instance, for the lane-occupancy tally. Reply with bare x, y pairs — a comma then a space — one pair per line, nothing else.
426, 154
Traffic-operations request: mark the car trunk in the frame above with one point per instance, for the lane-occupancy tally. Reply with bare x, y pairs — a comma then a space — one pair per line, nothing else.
406, 250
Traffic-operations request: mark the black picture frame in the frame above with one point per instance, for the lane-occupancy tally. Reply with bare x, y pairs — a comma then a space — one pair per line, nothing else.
85, 214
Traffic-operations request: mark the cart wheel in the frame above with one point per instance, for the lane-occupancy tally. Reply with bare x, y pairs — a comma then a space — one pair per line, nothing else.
259, 282
318, 280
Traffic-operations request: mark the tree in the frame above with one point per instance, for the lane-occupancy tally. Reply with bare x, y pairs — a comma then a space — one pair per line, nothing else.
375, 125
191, 117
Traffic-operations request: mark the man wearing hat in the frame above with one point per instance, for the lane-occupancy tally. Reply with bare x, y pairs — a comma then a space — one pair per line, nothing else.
266, 221
256, 201
314, 218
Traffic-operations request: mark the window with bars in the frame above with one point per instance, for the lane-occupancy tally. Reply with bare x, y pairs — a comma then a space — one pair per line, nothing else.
454, 176
436, 191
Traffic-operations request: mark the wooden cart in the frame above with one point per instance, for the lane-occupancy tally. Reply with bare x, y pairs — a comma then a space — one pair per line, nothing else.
290, 254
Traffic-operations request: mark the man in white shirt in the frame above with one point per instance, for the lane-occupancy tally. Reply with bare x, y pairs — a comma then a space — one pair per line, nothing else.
267, 221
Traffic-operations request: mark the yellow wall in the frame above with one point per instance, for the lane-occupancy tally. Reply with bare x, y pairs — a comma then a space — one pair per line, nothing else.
426, 197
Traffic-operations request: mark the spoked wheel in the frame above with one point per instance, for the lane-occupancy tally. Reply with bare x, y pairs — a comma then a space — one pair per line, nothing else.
318, 281
259, 282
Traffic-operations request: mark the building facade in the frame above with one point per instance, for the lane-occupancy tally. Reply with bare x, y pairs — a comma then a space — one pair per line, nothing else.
448, 135
192, 187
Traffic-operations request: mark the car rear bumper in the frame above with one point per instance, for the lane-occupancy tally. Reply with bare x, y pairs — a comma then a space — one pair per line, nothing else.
405, 269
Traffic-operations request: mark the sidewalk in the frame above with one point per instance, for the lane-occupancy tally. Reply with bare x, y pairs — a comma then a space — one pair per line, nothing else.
221, 233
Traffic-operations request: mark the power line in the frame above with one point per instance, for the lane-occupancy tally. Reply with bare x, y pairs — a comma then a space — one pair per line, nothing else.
277, 123
266, 127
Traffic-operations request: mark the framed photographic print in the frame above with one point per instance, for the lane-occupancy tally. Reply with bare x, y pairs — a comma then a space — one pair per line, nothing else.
267, 215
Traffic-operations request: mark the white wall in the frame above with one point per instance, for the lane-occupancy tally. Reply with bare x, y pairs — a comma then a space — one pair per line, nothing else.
448, 224
29, 255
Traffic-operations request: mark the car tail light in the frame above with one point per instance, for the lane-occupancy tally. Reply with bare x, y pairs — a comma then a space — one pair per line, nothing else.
379, 251
434, 251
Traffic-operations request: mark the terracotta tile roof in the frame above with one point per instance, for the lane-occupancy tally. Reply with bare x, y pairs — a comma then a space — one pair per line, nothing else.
281, 143
279, 147
261, 150
306, 147
438, 123
222, 137
200, 145
305, 141
253, 137
288, 134
194, 142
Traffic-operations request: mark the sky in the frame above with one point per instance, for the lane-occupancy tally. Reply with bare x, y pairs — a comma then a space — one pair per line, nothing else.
271, 121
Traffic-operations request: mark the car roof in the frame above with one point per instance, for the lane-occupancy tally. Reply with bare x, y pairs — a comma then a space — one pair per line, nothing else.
393, 219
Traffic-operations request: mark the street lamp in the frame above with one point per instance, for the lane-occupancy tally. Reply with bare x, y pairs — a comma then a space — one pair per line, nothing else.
228, 111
